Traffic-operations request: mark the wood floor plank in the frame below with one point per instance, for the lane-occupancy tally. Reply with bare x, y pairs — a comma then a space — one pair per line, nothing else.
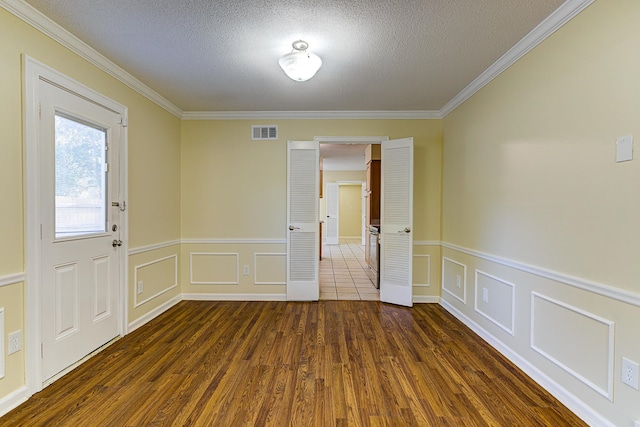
329, 363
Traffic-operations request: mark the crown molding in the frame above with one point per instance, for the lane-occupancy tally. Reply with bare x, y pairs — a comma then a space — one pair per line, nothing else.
550, 25
42, 23
292, 115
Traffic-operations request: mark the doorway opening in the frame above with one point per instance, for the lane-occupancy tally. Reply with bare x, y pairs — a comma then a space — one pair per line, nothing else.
396, 219
345, 209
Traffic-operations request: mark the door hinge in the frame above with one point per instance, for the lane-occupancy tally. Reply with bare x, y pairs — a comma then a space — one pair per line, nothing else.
40, 111
40, 231
124, 121
41, 351
106, 167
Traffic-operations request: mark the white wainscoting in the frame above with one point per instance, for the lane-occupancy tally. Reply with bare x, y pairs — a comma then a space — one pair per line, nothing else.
617, 294
551, 361
426, 299
589, 359
221, 268
152, 264
140, 321
156, 246
280, 271
234, 297
499, 307
13, 400
452, 269
575, 405
12, 279
422, 268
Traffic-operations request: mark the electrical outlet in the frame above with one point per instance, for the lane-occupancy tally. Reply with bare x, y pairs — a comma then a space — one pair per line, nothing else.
140, 287
458, 281
630, 373
485, 295
15, 342
245, 270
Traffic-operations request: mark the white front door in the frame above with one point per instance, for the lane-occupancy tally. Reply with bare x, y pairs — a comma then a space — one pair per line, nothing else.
333, 193
303, 234
78, 145
396, 223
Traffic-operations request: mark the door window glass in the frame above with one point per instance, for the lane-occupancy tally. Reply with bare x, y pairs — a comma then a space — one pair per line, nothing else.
80, 178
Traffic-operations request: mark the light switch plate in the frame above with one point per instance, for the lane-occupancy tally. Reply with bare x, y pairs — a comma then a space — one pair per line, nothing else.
624, 148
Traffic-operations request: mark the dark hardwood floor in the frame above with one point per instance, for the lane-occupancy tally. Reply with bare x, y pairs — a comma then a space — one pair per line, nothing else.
331, 363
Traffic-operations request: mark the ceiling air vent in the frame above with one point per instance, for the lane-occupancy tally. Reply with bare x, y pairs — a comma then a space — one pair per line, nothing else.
261, 133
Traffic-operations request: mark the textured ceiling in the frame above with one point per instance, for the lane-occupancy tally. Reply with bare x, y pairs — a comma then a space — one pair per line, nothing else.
385, 55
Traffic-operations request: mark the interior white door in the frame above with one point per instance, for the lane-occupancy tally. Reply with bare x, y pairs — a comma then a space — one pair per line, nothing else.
80, 271
333, 197
396, 223
303, 235
364, 214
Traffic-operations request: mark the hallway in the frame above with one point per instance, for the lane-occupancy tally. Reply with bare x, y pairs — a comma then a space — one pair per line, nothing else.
344, 275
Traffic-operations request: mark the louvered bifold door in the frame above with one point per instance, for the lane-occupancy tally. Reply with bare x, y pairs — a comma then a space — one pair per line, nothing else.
396, 225
303, 172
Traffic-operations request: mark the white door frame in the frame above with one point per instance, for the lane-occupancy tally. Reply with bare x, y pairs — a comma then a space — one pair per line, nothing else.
34, 72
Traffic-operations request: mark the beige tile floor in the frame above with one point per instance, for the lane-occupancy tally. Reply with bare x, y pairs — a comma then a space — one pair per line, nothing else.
343, 273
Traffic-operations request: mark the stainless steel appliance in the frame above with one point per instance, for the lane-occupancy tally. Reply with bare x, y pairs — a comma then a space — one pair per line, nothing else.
374, 252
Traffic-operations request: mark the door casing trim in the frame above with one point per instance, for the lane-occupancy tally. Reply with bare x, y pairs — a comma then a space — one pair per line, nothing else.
34, 72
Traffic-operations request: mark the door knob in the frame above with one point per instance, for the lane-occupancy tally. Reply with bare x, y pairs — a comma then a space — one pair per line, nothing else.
116, 243
291, 227
407, 230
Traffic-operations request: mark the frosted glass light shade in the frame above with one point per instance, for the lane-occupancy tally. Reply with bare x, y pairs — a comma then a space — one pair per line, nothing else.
300, 66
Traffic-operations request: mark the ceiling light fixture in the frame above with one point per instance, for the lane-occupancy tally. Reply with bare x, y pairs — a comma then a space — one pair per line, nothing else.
300, 65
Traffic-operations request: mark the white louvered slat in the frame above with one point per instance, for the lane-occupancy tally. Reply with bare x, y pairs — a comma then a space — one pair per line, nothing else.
302, 214
397, 222
396, 180
302, 188
302, 256
396, 259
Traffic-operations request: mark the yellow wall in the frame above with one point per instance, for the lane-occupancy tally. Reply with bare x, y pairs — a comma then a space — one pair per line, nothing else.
350, 210
233, 187
234, 197
529, 175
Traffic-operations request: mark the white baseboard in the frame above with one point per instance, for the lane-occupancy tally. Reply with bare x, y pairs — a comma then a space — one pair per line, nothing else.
153, 313
234, 297
426, 299
13, 400
577, 406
